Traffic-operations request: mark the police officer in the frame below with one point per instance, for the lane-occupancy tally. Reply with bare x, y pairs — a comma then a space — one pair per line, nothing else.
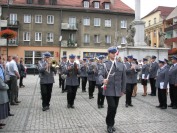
115, 86
63, 76
145, 75
173, 83
83, 74
161, 83
71, 80
152, 76
131, 74
101, 97
78, 62
166, 63
91, 77
46, 74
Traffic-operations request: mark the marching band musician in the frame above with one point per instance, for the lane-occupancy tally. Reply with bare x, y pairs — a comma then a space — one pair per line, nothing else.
91, 77
46, 74
115, 86
72, 83
131, 74
161, 83
101, 97
83, 74
78, 62
145, 75
62, 68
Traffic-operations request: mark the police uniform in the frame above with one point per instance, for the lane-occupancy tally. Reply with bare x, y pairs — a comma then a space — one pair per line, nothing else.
114, 89
91, 77
144, 73
173, 83
83, 74
161, 83
71, 81
153, 72
78, 62
46, 75
101, 97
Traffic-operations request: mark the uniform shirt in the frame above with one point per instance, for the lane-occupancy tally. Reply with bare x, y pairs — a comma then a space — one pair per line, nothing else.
12, 68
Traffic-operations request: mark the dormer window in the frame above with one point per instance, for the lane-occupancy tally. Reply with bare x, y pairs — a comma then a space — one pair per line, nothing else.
96, 4
107, 6
86, 4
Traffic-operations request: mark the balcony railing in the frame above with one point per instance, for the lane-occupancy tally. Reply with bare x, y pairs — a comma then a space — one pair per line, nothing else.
13, 23
68, 43
67, 26
173, 27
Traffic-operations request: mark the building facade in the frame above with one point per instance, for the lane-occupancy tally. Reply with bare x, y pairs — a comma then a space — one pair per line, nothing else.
81, 27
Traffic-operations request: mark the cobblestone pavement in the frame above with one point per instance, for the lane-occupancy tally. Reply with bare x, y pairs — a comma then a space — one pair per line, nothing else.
86, 117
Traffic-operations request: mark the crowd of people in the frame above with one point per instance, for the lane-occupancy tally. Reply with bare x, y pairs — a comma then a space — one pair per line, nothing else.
10, 72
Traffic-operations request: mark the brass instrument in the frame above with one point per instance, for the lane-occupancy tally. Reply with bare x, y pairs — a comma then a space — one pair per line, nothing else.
51, 63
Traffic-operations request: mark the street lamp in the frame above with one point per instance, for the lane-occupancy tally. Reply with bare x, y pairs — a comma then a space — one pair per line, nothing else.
60, 39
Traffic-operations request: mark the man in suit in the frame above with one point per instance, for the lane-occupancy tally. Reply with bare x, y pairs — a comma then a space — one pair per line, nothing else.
83, 74
161, 84
173, 83
131, 80
46, 74
115, 86
72, 83
152, 75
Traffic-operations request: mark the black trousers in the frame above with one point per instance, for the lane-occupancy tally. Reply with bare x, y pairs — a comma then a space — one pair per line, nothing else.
84, 83
101, 97
112, 109
162, 96
129, 91
21, 81
71, 94
173, 95
153, 88
46, 91
92, 85
60, 80
79, 80
63, 84
13, 89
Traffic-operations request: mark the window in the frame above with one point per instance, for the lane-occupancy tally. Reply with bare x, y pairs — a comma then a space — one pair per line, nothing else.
108, 39
123, 24
149, 22
108, 23
52, 2
86, 4
72, 37
38, 18
154, 33
86, 21
96, 38
123, 41
41, 2
26, 36
65, 53
72, 23
12, 41
154, 20
38, 36
49, 37
107, 5
27, 18
13, 19
96, 4
97, 22
29, 1
86, 38
50, 19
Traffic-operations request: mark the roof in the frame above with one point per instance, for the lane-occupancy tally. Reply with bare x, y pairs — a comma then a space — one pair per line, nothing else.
116, 5
165, 11
173, 14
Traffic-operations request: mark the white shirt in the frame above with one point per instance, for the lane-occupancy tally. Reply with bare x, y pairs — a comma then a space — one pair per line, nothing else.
175, 64
12, 68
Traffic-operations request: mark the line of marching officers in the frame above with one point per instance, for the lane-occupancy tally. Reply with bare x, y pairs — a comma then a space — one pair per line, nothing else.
119, 79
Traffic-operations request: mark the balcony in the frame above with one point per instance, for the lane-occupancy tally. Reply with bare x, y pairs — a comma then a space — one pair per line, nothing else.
68, 44
3, 23
67, 26
3, 42
12, 42
173, 27
13, 24
171, 40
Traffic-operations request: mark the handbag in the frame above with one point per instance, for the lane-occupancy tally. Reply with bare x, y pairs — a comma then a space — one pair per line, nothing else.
23, 74
3, 86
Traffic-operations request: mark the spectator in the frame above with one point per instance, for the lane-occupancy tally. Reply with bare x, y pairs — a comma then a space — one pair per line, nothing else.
22, 73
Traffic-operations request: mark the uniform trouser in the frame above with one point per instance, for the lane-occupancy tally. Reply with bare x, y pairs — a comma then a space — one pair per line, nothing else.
84, 83
46, 91
153, 87
92, 85
129, 91
79, 80
60, 80
13, 89
63, 84
101, 97
21, 81
112, 109
71, 94
173, 95
162, 96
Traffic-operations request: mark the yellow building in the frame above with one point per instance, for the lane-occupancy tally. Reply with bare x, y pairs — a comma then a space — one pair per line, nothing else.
154, 22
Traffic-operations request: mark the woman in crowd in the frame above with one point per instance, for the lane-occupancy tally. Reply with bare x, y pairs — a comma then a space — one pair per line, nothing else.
22, 73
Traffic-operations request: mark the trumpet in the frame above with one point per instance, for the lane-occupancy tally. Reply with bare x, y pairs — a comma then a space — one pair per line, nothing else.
51, 63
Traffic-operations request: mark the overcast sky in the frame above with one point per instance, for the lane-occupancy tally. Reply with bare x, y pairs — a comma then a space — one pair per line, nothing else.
148, 5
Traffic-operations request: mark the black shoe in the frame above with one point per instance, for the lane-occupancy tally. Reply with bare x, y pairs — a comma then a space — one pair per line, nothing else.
99, 106
10, 114
90, 97
109, 129
68, 106
47, 107
130, 105
13, 104
158, 106
153, 95
18, 101
44, 108
174, 107
163, 107
126, 105
2, 124
113, 129
102, 106
170, 105
72, 106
